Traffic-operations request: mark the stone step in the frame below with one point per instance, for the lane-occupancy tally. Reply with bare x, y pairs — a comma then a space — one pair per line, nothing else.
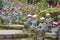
16, 27
13, 34
24, 39
15, 39
20, 22
8, 39
41, 38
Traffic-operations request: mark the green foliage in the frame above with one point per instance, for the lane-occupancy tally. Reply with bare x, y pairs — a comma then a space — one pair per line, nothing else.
23, 1
53, 11
42, 5
1, 5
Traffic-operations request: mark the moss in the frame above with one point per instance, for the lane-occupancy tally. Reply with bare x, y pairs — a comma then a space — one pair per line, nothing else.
7, 24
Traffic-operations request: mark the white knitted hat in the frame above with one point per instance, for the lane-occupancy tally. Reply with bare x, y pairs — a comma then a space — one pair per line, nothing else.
42, 18
48, 14
34, 16
58, 16
29, 15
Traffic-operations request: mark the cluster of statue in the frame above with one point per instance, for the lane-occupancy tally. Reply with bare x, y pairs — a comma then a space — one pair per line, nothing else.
47, 25
10, 12
8, 16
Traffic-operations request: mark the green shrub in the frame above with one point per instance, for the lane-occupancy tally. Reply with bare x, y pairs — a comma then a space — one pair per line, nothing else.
1, 5
53, 11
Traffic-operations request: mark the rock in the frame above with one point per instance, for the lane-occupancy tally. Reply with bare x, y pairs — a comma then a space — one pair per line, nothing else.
41, 38
12, 27
24, 39
8, 39
13, 34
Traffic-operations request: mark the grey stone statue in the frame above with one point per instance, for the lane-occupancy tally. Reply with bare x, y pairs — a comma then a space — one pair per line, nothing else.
42, 27
34, 22
49, 20
53, 33
42, 24
3, 17
29, 21
20, 12
9, 17
15, 15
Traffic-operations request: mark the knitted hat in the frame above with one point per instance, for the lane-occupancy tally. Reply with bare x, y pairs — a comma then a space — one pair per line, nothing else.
58, 6
34, 16
29, 15
19, 8
55, 23
42, 18
48, 14
58, 16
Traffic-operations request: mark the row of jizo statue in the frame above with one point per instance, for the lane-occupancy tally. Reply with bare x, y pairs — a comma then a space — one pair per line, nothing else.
7, 17
45, 27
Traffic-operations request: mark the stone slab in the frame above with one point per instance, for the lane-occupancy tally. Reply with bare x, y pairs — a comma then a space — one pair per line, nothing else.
16, 27
41, 38
24, 39
9, 34
8, 39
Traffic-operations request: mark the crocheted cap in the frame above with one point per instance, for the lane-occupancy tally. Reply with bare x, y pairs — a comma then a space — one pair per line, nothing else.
48, 14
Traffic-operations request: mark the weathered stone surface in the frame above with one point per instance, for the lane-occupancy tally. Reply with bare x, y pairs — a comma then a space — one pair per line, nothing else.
13, 34
15, 27
8, 39
24, 39
41, 38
